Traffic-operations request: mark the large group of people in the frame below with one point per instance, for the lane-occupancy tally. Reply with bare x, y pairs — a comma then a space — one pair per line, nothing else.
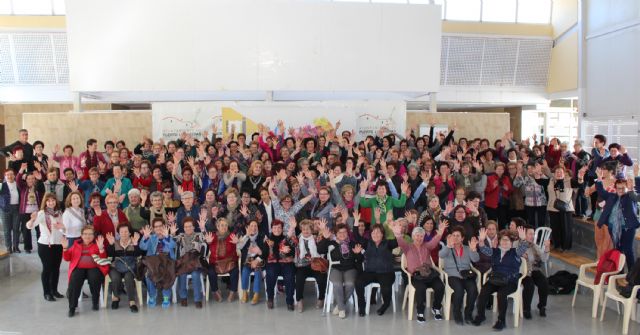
269, 210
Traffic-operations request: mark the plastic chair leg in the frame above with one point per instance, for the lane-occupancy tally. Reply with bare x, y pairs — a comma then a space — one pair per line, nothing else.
594, 305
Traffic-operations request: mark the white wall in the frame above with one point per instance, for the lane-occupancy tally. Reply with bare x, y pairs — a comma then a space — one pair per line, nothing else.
252, 45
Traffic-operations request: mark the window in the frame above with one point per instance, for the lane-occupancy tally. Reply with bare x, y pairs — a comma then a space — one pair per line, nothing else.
499, 10
534, 11
463, 10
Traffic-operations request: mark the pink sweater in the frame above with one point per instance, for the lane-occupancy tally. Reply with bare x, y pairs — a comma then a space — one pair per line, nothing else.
418, 256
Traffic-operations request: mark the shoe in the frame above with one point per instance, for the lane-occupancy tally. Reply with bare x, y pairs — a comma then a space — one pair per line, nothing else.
166, 302
231, 297
28, 251
16, 250
49, 297
245, 297
270, 304
151, 302
133, 309
300, 306
183, 302
335, 311
256, 298
361, 312
95, 307
526, 315
543, 312
57, 294
342, 314
198, 304
437, 314
72, 312
459, 322
499, 325
490, 305
115, 304
217, 296
290, 308
84, 295
382, 309
319, 304
478, 320
468, 319
420, 318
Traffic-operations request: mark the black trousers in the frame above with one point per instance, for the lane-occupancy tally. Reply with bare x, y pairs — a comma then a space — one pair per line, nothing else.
421, 287
561, 224
26, 232
460, 286
95, 279
501, 214
51, 257
386, 285
116, 283
503, 291
529, 284
302, 273
536, 216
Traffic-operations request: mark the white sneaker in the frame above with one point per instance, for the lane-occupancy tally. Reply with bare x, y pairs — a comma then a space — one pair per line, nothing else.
342, 314
336, 311
420, 318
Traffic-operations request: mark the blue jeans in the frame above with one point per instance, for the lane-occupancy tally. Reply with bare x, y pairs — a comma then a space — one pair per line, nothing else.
246, 276
287, 271
151, 290
196, 280
213, 279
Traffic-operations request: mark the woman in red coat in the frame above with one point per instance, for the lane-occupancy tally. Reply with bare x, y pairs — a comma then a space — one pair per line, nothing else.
87, 261
223, 258
107, 221
496, 196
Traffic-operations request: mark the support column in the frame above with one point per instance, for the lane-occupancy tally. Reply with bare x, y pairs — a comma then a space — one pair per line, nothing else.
433, 102
77, 102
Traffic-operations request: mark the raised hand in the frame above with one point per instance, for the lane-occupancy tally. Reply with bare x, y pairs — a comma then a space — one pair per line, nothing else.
244, 210
173, 228
165, 231
233, 238
357, 249
444, 224
110, 238
100, 242
404, 187
202, 222
482, 234
636, 169
143, 197
473, 244
171, 217
522, 233
208, 236
135, 238
285, 249
396, 228
356, 218
146, 231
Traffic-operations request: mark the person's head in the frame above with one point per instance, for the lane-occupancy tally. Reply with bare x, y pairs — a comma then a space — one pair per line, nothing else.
460, 194
306, 227
52, 174
10, 176
492, 228
210, 196
515, 223
530, 233
342, 232
68, 150
187, 199
457, 234
134, 197
500, 168
117, 171
74, 199
108, 146
428, 225
69, 174
94, 174
18, 152
232, 197
417, 235
38, 147
512, 168
324, 194
23, 136
621, 187
167, 193
112, 202
614, 149
31, 180
444, 169
252, 227
264, 195
87, 234
286, 201
460, 213
92, 145
276, 227
49, 201
505, 241
95, 200
145, 167
187, 174
377, 233
473, 197
599, 141
381, 190
558, 172
256, 168
189, 225
158, 225
125, 231
434, 203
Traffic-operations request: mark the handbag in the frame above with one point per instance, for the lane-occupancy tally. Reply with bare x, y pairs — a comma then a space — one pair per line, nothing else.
319, 264
424, 273
498, 279
560, 205
225, 265
464, 274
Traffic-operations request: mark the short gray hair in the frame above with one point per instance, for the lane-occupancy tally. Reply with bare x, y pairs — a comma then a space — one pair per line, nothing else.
156, 194
134, 192
418, 230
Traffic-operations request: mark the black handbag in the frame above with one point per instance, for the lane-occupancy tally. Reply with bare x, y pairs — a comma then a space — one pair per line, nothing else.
424, 273
560, 205
464, 274
498, 279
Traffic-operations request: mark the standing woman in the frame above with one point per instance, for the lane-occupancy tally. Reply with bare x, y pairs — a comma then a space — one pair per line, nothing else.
49, 219
87, 261
73, 217
561, 187
250, 248
279, 252
497, 194
306, 251
30, 200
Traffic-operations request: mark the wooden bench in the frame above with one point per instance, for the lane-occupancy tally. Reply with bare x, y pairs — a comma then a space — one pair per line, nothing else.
572, 259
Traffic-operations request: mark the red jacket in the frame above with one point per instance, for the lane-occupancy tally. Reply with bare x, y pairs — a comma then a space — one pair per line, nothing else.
142, 182
492, 193
102, 224
74, 253
230, 251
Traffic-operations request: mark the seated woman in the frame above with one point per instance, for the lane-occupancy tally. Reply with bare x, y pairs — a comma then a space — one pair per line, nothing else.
348, 254
279, 253
306, 251
418, 256
484, 263
505, 267
250, 247
186, 242
223, 259
160, 242
535, 257
378, 267
123, 254
457, 259
86, 262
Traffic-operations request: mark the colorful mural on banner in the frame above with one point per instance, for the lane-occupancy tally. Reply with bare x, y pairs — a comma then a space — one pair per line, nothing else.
170, 119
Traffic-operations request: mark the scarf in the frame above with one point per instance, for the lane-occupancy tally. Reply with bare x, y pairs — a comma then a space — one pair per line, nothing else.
344, 246
92, 161
382, 203
48, 213
616, 223
155, 213
307, 243
221, 248
78, 213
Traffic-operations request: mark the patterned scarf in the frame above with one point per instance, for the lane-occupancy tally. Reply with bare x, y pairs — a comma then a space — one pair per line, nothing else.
344, 246
382, 203
48, 213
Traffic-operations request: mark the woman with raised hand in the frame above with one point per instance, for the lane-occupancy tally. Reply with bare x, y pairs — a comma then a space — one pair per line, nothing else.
87, 261
156, 242
223, 258
305, 252
49, 219
73, 217
189, 241
124, 253
279, 253
250, 248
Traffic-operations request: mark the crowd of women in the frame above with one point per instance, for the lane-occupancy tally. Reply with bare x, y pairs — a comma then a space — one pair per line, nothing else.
271, 211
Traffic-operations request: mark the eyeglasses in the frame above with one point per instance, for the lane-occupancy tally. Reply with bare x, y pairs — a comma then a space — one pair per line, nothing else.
112, 202
167, 192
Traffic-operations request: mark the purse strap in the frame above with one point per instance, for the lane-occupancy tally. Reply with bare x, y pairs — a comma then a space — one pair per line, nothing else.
453, 253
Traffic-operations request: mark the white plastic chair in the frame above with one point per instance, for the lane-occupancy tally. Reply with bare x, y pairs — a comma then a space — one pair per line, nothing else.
515, 296
328, 298
410, 291
105, 296
629, 304
448, 290
543, 234
367, 294
205, 282
589, 282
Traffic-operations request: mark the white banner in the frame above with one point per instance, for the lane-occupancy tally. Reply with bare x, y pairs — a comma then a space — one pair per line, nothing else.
170, 119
